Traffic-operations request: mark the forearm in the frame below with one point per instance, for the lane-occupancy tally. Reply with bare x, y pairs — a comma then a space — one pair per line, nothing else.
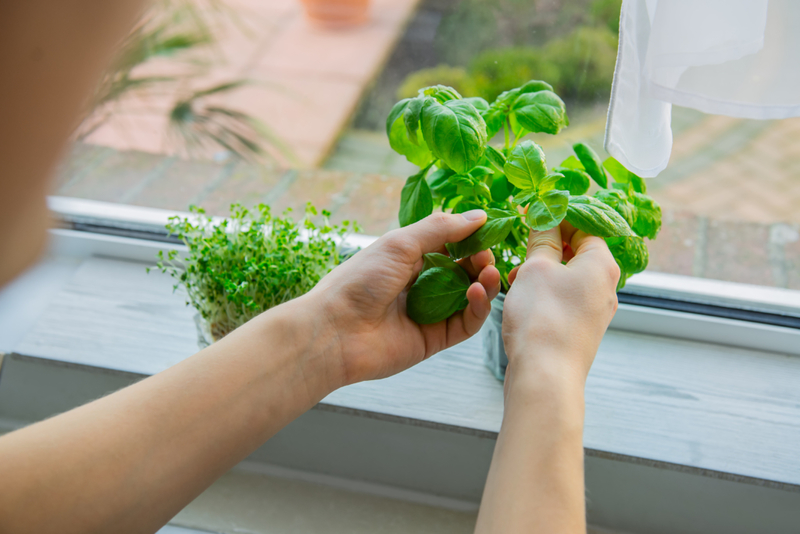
132, 460
535, 482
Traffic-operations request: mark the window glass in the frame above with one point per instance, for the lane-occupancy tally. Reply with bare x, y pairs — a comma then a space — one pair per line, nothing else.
285, 101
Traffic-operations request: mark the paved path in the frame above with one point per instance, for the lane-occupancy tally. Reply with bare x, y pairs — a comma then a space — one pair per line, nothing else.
305, 81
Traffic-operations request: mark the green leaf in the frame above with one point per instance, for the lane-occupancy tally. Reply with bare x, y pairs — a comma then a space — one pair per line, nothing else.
440, 184
630, 253
549, 182
411, 118
548, 210
596, 218
478, 103
495, 157
437, 294
623, 175
500, 188
478, 172
416, 200
497, 226
442, 93
534, 86
417, 153
526, 166
455, 133
434, 259
541, 112
619, 201
498, 111
591, 162
648, 216
524, 197
572, 163
576, 181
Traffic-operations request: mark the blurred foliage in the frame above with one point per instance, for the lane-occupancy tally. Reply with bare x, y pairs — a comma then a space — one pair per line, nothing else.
183, 31
585, 60
606, 13
494, 71
456, 77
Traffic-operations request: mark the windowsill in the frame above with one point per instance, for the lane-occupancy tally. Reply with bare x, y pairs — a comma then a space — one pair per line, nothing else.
704, 412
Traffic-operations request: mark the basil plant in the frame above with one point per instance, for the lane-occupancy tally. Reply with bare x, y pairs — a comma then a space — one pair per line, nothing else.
448, 138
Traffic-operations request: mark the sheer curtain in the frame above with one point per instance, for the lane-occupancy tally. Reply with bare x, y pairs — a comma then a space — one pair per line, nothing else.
730, 57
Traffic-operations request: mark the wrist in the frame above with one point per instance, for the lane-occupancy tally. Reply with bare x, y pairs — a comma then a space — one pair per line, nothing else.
553, 376
307, 332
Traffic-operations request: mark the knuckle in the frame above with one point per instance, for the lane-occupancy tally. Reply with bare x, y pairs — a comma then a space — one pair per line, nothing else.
396, 244
439, 219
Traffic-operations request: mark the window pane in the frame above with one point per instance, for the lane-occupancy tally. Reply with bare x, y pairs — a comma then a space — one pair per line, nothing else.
285, 102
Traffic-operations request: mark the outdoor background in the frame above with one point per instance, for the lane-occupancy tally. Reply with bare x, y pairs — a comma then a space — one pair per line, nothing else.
213, 102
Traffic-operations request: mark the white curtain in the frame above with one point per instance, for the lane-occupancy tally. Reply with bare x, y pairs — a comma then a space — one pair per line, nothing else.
729, 57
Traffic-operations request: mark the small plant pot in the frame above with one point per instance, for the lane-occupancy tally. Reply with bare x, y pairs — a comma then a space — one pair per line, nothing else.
494, 350
337, 13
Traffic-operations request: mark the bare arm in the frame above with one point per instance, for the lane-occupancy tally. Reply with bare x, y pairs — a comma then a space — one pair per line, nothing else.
553, 320
132, 460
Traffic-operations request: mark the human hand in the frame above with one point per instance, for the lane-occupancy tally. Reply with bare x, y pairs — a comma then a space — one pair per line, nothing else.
555, 315
364, 299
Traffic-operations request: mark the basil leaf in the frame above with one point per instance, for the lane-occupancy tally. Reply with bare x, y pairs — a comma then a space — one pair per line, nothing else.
576, 181
495, 157
434, 259
497, 226
442, 93
416, 200
623, 175
498, 111
438, 180
500, 188
478, 103
455, 133
549, 182
619, 201
595, 218
437, 294
548, 210
543, 111
480, 171
630, 253
523, 198
411, 119
572, 163
534, 86
648, 216
417, 153
525, 167
591, 162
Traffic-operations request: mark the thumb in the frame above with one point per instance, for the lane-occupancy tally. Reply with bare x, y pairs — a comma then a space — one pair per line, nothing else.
546, 244
431, 233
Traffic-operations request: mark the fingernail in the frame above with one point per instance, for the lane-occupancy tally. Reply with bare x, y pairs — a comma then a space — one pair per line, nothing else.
474, 215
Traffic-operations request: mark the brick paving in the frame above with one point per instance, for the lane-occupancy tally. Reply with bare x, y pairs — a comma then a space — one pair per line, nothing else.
304, 81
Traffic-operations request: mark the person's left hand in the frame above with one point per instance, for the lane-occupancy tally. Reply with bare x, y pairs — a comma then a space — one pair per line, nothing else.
365, 298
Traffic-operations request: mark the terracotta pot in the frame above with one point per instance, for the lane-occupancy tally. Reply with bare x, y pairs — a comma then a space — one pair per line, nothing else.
337, 13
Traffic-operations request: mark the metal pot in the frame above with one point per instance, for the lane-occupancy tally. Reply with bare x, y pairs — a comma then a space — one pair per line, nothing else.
494, 350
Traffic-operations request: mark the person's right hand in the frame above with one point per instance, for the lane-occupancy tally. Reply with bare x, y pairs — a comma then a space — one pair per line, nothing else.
555, 315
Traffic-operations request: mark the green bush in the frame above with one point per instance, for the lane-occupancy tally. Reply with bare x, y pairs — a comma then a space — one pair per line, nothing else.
579, 65
585, 59
494, 71
606, 13
456, 77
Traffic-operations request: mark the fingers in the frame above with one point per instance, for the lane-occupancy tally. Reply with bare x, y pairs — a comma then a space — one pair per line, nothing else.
477, 262
546, 245
431, 233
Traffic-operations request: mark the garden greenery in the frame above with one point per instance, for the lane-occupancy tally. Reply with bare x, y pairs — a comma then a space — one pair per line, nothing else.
238, 267
448, 136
